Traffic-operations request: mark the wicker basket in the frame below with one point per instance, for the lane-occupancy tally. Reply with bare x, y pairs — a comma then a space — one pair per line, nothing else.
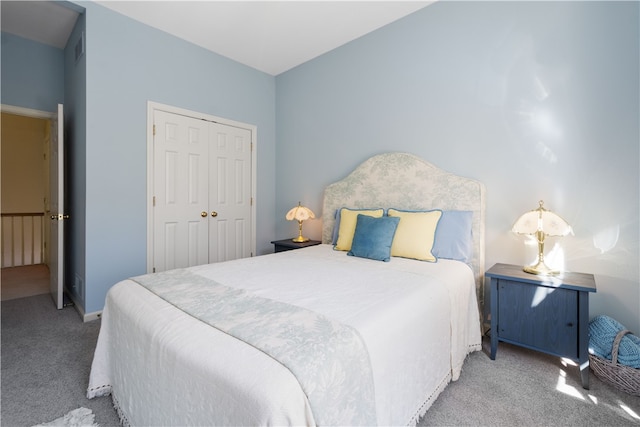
622, 377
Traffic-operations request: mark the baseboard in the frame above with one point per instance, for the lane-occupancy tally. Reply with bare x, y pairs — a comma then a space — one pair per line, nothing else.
86, 317
89, 317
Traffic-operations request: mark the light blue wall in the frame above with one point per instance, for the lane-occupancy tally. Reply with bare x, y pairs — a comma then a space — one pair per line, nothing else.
128, 64
32, 74
538, 100
39, 77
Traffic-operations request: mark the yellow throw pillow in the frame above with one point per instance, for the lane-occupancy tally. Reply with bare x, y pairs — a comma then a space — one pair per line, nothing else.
348, 219
415, 234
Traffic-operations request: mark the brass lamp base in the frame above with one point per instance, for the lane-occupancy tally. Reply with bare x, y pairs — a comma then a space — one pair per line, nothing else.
540, 269
300, 238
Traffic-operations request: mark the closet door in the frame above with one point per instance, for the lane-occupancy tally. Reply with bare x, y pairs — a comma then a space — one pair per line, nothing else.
181, 191
202, 192
229, 192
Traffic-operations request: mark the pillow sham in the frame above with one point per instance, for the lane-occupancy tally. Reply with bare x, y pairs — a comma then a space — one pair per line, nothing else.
454, 237
373, 237
347, 227
415, 235
338, 216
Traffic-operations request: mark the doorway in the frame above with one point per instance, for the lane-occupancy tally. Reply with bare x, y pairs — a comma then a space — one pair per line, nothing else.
25, 185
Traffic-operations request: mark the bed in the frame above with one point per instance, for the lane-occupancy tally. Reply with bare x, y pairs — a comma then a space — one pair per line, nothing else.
312, 336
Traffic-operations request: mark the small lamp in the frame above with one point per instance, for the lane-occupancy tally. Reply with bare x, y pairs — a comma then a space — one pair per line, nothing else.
541, 223
300, 213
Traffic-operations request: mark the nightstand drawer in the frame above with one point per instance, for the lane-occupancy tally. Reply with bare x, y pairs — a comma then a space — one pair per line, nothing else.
539, 317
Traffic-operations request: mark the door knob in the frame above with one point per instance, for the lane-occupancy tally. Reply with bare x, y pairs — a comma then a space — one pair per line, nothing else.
203, 214
214, 214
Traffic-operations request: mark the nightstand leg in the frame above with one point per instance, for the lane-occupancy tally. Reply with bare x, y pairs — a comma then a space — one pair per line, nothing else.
494, 317
584, 374
494, 347
583, 337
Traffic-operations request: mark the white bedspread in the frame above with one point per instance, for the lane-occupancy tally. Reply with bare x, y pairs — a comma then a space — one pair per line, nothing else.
418, 320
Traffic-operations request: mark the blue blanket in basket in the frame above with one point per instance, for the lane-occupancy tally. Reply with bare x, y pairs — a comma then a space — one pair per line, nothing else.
603, 331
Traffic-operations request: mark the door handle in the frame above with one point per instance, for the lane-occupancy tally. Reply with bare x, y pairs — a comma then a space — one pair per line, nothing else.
214, 214
203, 214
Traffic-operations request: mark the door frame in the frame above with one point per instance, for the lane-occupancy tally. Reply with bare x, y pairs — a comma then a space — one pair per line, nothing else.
155, 106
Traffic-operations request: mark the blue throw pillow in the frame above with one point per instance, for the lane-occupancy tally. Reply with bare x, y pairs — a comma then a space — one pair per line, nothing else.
454, 239
373, 237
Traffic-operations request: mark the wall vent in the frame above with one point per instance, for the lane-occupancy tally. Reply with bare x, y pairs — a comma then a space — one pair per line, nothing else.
78, 287
79, 49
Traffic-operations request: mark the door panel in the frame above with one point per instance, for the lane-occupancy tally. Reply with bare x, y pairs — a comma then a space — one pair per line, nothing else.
56, 203
540, 317
230, 192
181, 191
241, 238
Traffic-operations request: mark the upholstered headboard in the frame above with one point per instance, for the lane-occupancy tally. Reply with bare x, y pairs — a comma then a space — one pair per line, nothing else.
405, 181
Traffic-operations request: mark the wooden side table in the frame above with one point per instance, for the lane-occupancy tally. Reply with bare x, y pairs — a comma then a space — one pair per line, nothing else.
544, 313
289, 244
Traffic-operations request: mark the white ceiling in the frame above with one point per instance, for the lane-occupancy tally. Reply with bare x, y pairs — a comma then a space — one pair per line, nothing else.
271, 36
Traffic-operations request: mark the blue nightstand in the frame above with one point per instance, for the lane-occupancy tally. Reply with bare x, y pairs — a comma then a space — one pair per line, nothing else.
543, 313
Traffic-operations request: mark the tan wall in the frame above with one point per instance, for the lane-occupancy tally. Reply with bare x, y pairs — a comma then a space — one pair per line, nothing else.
24, 178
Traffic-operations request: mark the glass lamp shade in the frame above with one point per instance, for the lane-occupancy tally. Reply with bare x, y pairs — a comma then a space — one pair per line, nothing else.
541, 223
541, 220
300, 213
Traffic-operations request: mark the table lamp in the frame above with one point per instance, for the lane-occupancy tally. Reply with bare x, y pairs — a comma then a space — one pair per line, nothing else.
541, 223
300, 213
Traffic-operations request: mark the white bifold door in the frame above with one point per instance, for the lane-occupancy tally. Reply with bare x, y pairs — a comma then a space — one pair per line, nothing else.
201, 192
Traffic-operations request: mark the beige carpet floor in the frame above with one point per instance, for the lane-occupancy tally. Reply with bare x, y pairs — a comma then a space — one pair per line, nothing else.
24, 281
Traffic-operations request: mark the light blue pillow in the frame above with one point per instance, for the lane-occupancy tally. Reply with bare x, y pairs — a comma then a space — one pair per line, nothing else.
373, 237
454, 239
336, 227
